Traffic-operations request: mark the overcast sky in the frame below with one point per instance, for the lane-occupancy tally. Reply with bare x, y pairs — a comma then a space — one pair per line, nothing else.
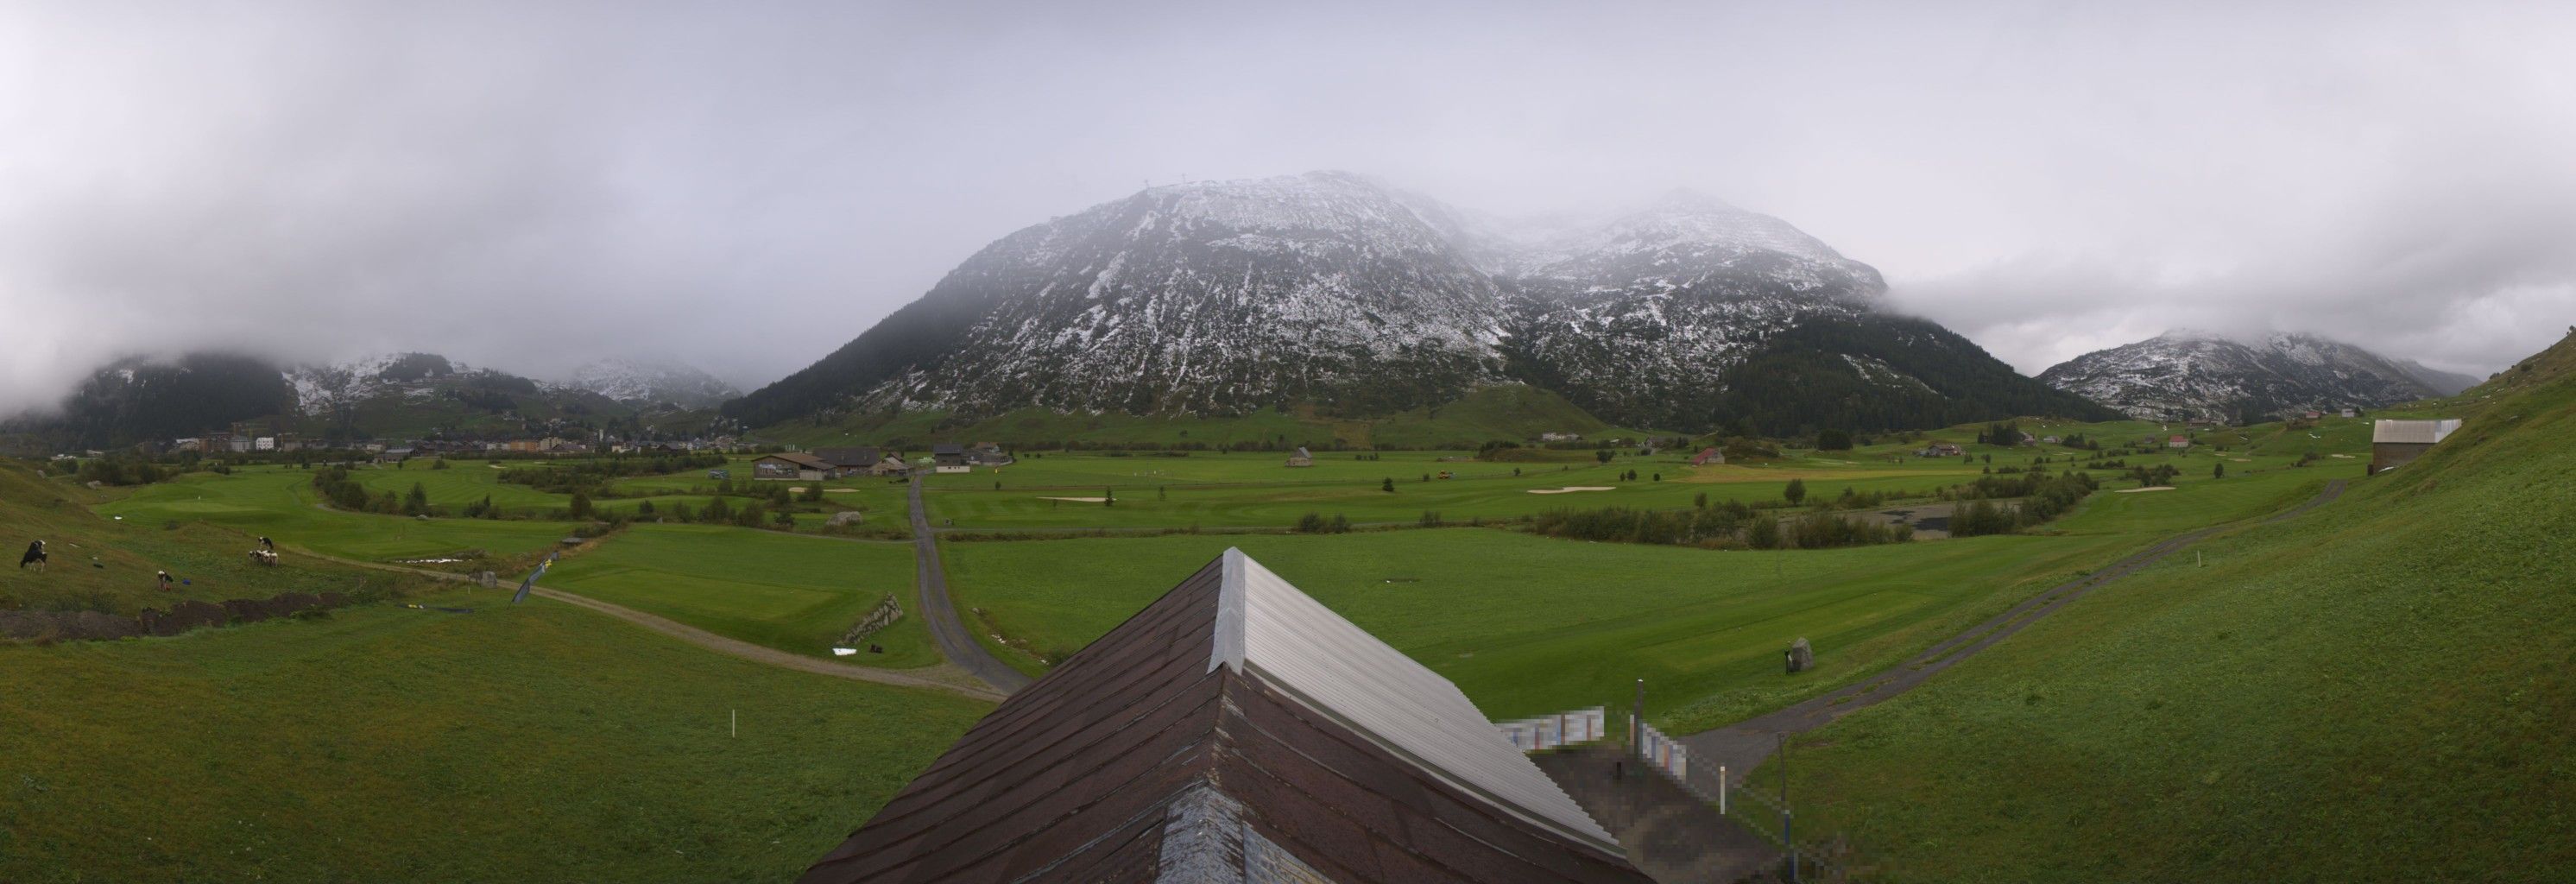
746, 186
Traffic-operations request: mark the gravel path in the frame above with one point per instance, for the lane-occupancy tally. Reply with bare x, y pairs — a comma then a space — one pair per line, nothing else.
955, 642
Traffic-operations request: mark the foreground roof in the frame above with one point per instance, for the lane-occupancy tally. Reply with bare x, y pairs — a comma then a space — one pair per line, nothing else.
2412, 432
1233, 731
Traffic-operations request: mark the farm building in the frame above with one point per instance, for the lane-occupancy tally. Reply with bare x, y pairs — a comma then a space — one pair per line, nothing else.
792, 465
950, 457
1235, 730
1301, 458
2178, 442
2394, 443
1560, 437
1707, 457
2349, 413
850, 461
394, 455
1940, 449
989, 454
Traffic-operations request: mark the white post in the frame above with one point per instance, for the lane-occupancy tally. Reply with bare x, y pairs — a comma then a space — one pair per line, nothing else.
1721, 790
734, 723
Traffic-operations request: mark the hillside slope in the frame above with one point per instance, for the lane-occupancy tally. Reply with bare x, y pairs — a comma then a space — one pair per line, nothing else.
2377, 690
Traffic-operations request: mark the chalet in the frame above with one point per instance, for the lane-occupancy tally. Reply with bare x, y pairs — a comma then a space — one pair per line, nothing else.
1301, 458
2394, 443
1235, 730
850, 460
2178, 442
949, 457
2312, 415
2048, 440
1560, 437
794, 465
1940, 449
394, 455
1708, 457
2348, 413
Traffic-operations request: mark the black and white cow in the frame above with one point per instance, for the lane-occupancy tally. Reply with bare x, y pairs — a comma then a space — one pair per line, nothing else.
35, 556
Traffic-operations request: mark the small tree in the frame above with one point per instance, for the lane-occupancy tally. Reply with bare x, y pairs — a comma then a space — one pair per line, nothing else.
416, 502
1602, 455
2218, 472
1387, 485
1108, 497
1796, 492
580, 504
1764, 533
1833, 440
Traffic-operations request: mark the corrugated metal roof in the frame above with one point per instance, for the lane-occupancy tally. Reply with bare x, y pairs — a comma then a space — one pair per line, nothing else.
1378, 691
2412, 432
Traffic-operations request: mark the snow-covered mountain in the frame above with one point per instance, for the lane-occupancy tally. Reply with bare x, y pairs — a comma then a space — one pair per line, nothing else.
652, 382
2197, 374
1333, 289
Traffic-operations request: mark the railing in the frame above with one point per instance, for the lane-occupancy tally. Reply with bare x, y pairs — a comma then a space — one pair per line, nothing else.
1552, 731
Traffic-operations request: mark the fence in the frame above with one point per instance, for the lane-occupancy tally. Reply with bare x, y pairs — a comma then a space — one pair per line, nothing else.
1827, 858
1552, 731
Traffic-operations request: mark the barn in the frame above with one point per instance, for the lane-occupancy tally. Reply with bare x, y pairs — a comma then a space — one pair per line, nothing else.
1301, 458
2394, 443
1708, 457
1234, 730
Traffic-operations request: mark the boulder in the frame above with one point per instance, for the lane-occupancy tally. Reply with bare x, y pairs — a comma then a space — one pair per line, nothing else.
1801, 657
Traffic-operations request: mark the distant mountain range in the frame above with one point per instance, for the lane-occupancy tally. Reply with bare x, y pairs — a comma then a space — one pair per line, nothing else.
2194, 374
1333, 290
390, 395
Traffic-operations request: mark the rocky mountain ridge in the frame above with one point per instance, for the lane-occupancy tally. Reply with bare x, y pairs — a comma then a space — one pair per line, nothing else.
2190, 374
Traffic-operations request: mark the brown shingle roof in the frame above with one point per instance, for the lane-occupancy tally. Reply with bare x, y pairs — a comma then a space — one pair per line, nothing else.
1148, 757
801, 459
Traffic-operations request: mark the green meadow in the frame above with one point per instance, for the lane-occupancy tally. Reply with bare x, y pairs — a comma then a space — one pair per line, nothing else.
796, 594
2377, 690
535, 743
283, 505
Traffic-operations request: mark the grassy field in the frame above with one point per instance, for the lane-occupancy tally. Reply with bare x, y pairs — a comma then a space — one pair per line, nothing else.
1528, 625
796, 594
282, 504
2377, 690
537, 743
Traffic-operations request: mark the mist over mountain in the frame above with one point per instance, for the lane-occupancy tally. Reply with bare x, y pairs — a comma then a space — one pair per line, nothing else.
1337, 290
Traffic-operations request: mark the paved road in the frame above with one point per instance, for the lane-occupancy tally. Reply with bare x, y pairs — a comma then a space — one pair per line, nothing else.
955, 642
1746, 744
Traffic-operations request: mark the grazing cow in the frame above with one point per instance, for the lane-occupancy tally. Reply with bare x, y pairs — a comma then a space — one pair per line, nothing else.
263, 557
164, 578
35, 556
267, 544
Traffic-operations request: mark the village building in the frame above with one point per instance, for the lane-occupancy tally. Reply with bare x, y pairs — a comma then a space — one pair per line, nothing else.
1560, 437
2178, 442
850, 460
988, 454
1235, 730
2048, 440
2395, 443
1708, 457
394, 455
1301, 457
1940, 449
792, 465
2349, 413
949, 457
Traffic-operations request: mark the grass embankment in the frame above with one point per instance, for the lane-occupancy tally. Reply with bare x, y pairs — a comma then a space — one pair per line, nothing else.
2379, 689
1528, 625
536, 743
796, 594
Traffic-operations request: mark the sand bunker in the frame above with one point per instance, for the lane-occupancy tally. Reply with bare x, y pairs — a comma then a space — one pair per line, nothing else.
1570, 489
2136, 490
2344, 456
1079, 499
801, 490
2242, 459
